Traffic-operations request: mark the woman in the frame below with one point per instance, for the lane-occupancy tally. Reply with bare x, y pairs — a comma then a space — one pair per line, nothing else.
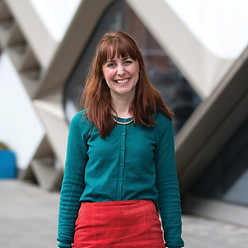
120, 167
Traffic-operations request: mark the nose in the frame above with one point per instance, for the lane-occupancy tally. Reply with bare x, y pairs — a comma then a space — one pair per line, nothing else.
120, 70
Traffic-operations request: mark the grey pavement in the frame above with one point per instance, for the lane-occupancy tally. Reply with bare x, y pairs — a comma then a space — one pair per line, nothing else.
28, 218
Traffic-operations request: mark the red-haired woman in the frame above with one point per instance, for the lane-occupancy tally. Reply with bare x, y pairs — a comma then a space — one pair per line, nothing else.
120, 171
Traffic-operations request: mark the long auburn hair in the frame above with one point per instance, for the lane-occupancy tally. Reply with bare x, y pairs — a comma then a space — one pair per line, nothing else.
96, 98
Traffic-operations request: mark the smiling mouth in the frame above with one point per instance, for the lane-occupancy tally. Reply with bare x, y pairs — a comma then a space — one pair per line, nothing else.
121, 81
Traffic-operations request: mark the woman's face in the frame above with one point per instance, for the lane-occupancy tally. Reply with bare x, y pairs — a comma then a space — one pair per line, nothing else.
121, 75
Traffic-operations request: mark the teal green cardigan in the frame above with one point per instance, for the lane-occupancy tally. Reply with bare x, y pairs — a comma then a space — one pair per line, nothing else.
133, 162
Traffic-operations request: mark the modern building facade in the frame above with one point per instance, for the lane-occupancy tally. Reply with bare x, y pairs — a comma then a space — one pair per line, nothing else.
42, 75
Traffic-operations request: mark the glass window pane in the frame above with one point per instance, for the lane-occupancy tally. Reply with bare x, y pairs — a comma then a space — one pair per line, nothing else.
227, 177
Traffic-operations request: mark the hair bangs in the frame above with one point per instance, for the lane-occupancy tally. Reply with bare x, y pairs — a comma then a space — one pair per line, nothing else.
117, 48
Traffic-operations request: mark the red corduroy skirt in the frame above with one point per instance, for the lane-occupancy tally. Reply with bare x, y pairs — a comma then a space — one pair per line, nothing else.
125, 224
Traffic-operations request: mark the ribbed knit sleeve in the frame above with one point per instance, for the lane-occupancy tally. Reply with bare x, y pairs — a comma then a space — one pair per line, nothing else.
167, 183
73, 181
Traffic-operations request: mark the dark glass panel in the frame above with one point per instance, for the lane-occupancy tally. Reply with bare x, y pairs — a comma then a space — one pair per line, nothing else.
227, 177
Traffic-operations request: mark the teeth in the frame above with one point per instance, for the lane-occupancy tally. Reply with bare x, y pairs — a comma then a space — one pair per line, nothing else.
122, 81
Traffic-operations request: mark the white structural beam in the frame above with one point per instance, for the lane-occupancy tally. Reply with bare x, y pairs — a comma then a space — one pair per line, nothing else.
50, 111
202, 69
213, 124
32, 27
83, 24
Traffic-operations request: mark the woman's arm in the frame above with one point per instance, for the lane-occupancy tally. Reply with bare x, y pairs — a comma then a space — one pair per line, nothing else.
167, 183
73, 181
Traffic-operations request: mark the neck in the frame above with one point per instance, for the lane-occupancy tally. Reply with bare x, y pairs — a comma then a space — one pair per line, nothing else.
121, 105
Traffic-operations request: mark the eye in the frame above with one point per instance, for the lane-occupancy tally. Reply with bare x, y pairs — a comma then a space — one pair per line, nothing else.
110, 64
129, 61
